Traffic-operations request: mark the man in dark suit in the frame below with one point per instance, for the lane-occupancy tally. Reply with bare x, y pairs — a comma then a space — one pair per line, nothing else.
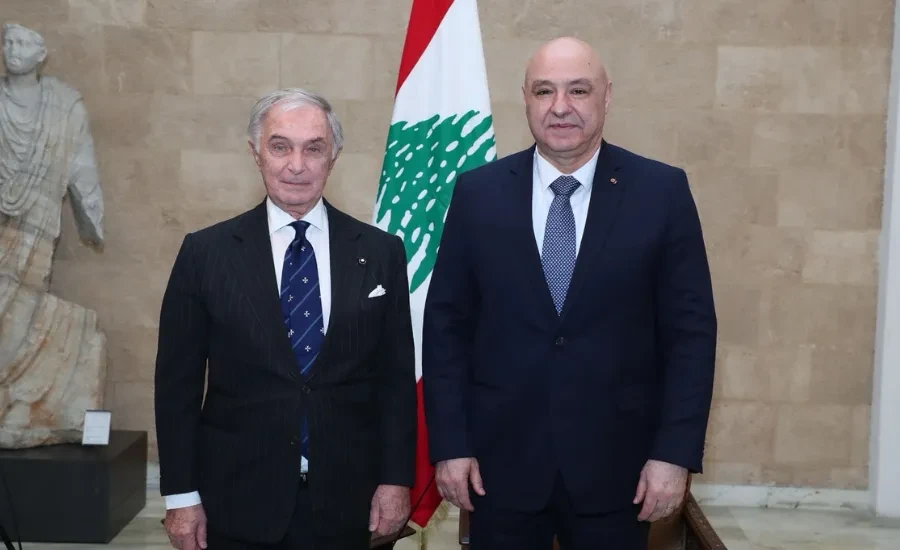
569, 331
297, 318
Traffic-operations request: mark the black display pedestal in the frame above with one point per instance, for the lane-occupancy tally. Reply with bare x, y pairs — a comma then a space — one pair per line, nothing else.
73, 493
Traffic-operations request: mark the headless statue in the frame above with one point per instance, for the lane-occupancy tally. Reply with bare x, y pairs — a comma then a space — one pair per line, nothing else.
52, 354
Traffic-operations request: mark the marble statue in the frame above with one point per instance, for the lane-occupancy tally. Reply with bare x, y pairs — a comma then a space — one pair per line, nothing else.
52, 353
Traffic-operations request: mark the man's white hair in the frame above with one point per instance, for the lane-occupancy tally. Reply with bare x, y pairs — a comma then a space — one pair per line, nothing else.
291, 98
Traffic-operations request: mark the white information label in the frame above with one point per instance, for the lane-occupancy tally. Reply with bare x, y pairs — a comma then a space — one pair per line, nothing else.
96, 427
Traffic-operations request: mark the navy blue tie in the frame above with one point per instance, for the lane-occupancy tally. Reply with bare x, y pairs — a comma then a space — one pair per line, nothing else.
301, 304
558, 251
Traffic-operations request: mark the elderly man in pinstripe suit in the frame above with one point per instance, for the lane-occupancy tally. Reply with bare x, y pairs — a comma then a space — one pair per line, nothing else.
285, 378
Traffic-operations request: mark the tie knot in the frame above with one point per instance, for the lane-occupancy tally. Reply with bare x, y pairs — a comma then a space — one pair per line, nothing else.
300, 227
564, 185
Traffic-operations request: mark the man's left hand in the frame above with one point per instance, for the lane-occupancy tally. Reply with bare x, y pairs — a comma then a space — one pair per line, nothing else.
662, 488
390, 510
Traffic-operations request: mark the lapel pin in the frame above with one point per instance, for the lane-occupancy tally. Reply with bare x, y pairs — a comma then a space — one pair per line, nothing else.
362, 261
613, 181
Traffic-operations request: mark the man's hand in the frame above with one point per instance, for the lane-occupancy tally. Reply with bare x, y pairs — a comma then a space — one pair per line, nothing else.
389, 511
186, 527
662, 488
453, 478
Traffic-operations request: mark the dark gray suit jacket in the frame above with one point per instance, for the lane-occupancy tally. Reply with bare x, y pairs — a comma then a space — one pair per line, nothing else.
239, 444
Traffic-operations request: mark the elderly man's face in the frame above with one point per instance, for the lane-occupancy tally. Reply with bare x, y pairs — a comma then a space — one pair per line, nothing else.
566, 97
22, 51
295, 156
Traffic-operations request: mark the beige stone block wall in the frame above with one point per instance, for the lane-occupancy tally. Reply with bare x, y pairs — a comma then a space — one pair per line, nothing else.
776, 108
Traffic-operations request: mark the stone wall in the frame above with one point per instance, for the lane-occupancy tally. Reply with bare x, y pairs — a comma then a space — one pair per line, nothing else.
776, 108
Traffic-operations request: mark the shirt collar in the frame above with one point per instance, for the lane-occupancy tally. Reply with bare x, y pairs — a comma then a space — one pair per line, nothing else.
278, 218
548, 173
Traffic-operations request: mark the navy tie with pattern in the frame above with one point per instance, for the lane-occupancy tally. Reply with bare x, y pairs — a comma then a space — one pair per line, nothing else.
558, 252
301, 305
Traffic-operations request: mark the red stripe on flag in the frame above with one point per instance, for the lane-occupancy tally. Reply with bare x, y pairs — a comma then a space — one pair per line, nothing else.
424, 488
424, 20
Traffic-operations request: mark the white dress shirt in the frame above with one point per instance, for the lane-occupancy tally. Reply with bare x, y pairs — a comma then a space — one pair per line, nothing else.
280, 235
542, 196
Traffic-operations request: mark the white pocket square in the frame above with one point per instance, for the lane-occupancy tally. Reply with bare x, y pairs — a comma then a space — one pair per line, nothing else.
378, 291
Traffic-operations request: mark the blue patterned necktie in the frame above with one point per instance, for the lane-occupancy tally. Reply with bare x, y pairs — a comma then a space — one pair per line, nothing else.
558, 252
301, 305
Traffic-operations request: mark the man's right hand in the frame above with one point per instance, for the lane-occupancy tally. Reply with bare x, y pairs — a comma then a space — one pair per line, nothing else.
453, 478
186, 527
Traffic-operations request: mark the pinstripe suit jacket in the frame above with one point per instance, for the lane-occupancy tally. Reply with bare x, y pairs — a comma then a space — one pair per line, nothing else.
238, 444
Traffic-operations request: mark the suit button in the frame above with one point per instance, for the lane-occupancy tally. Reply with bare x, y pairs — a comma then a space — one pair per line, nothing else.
305, 389
560, 342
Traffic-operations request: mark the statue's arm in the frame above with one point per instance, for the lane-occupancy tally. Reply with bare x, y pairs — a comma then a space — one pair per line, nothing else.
84, 180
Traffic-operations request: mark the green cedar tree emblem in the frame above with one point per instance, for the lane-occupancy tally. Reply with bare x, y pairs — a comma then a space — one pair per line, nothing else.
421, 163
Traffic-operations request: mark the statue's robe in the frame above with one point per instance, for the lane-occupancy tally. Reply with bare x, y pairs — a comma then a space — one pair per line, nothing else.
52, 353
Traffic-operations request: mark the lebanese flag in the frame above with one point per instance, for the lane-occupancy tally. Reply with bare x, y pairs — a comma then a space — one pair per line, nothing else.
441, 126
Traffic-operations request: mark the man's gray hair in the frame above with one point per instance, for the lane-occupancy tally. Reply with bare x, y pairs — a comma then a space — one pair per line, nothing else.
291, 98
36, 36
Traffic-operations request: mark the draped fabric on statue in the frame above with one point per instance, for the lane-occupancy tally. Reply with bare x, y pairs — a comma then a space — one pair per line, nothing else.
52, 355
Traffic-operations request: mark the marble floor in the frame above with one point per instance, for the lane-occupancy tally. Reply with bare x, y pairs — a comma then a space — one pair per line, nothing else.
740, 529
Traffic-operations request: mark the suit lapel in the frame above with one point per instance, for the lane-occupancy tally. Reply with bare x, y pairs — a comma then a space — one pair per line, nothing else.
253, 263
521, 189
348, 268
606, 198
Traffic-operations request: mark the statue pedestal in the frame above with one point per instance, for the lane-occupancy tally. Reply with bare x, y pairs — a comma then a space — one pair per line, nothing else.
73, 493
